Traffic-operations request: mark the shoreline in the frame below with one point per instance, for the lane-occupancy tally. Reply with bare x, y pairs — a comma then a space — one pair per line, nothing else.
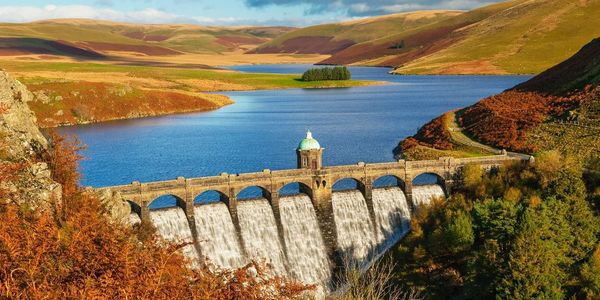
359, 83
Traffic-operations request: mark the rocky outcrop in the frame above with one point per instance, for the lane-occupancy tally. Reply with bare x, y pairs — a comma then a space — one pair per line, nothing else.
28, 180
117, 207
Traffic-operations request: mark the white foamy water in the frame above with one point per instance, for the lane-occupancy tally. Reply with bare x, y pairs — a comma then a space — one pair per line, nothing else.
423, 194
217, 236
353, 225
392, 213
173, 226
134, 219
306, 251
259, 232
307, 258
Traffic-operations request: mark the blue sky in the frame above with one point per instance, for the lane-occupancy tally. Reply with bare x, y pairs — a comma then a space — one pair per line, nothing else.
220, 12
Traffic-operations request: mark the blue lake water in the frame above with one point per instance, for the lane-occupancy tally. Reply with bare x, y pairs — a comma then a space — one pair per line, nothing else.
262, 129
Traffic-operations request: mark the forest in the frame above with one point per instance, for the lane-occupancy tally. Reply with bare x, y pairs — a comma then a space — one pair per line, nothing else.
523, 231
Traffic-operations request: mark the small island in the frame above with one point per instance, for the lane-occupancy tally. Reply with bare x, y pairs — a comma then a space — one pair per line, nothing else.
327, 73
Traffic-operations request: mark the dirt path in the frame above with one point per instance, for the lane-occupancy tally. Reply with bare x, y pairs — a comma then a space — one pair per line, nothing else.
458, 136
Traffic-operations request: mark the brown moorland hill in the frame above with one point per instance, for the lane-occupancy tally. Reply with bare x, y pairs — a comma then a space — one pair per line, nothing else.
507, 119
510, 37
336, 37
83, 38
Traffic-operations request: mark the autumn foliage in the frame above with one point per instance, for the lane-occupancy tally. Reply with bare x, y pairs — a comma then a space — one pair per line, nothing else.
60, 103
504, 120
433, 134
76, 251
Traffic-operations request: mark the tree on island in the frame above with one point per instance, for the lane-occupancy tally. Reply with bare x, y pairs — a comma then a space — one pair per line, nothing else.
327, 73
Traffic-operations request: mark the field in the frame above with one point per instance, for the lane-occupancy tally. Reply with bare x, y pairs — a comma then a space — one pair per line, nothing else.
82, 92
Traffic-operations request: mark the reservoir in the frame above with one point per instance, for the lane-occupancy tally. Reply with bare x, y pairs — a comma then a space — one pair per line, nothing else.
262, 129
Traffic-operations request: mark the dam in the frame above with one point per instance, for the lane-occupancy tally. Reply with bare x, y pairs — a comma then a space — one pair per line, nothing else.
311, 235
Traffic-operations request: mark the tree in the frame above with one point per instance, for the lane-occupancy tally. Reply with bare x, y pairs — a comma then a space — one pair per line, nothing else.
590, 276
327, 73
458, 233
537, 255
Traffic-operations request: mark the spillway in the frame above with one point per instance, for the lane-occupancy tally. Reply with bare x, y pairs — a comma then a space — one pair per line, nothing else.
172, 225
259, 232
423, 194
306, 251
307, 259
217, 237
356, 236
392, 213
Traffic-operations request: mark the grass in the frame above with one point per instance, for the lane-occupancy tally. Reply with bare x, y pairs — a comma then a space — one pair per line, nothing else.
32, 72
184, 38
73, 93
528, 38
366, 30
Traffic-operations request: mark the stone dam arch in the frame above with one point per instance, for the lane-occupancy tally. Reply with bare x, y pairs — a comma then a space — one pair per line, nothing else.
314, 223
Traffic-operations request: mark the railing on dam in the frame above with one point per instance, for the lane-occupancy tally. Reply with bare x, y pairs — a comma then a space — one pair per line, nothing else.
317, 183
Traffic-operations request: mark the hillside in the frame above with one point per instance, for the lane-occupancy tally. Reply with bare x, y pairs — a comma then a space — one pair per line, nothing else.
513, 37
558, 109
98, 39
335, 37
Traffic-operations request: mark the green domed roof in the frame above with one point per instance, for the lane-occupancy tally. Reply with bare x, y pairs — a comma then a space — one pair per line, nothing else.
309, 143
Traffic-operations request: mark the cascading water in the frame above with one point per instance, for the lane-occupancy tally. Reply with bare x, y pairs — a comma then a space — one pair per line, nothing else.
355, 234
423, 194
217, 237
306, 251
173, 226
134, 219
392, 213
307, 258
259, 232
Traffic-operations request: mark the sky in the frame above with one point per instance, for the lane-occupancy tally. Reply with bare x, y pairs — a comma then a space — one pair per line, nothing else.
220, 12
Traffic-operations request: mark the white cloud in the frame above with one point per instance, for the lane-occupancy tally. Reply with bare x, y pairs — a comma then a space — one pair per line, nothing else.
149, 15
28, 13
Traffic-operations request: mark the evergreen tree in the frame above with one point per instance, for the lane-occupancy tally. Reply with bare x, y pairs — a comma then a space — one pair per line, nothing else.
327, 73
538, 254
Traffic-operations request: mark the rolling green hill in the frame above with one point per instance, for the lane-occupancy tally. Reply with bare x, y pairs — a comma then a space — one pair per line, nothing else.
92, 38
335, 37
519, 36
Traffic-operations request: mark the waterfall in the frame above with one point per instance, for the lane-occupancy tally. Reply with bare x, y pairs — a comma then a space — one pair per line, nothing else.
134, 219
423, 194
217, 236
307, 259
259, 232
305, 248
173, 226
392, 213
355, 234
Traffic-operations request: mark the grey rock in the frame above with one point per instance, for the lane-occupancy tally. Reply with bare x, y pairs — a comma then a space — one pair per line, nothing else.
22, 142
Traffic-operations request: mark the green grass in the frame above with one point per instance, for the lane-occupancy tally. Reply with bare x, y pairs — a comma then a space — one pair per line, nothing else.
528, 38
254, 80
359, 32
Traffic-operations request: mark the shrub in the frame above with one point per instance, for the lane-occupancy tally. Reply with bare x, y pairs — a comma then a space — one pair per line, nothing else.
75, 252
